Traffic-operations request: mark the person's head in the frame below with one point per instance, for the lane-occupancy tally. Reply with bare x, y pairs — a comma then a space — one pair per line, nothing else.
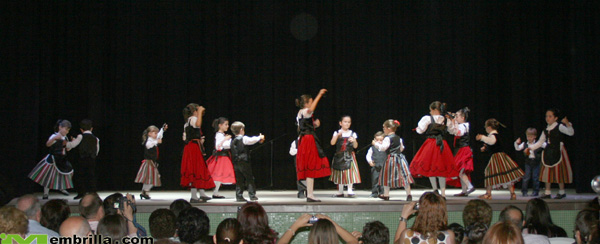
179, 205
459, 232
390, 126
462, 115
190, 110
150, 132
229, 231
475, 232
477, 211
433, 216
221, 124
375, 233
238, 128
586, 227
379, 136
492, 124
531, 134
90, 207
13, 221
255, 223
537, 217
323, 232
513, 214
109, 203
345, 122
594, 204
503, 233
304, 101
54, 212
75, 226
162, 223
86, 124
192, 225
113, 226
31, 206
62, 126
437, 108
552, 115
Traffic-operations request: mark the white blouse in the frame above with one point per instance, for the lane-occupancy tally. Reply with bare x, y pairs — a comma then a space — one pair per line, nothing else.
220, 137
426, 120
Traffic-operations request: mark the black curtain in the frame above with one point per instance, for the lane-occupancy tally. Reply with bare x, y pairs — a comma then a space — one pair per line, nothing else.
130, 64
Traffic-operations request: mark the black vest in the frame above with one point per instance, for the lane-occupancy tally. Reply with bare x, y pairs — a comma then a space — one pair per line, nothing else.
343, 158
394, 145
88, 147
60, 159
496, 148
239, 151
379, 157
462, 141
306, 127
437, 131
552, 151
151, 153
536, 152
192, 133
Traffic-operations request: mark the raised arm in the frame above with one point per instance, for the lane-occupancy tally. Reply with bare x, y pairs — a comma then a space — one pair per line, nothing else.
315, 102
200, 115
343, 233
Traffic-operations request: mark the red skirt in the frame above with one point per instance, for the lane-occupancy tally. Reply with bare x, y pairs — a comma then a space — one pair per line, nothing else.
308, 162
221, 169
430, 162
194, 173
463, 161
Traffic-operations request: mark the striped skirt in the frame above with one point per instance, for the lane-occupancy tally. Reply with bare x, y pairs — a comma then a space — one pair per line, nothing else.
48, 175
148, 173
502, 171
561, 172
348, 176
395, 172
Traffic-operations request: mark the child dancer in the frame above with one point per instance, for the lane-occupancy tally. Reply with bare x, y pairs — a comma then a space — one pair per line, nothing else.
311, 162
501, 170
219, 164
148, 173
89, 146
345, 168
556, 166
395, 172
464, 155
240, 156
194, 173
376, 160
300, 184
532, 161
434, 158
54, 171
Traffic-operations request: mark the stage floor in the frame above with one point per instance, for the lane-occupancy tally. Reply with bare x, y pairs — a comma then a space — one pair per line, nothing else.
285, 201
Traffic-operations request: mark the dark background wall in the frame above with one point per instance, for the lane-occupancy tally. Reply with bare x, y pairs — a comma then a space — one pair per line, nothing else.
130, 64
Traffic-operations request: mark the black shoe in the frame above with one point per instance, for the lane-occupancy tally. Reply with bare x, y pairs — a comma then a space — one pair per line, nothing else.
560, 196
301, 195
253, 198
217, 197
535, 194
45, 197
409, 198
205, 198
338, 195
79, 196
241, 199
197, 200
384, 197
469, 191
144, 196
545, 196
462, 194
525, 194
308, 199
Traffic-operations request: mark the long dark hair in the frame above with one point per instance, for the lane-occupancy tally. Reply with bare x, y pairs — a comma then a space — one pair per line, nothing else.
302, 100
188, 111
217, 122
255, 224
586, 223
538, 219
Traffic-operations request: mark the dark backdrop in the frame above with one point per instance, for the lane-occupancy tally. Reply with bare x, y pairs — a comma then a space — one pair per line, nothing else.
130, 64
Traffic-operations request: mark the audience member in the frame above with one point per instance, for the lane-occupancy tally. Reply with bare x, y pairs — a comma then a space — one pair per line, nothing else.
123, 205
229, 231
13, 221
179, 205
538, 220
193, 226
113, 226
586, 227
373, 233
515, 215
323, 231
33, 210
162, 224
459, 232
431, 224
90, 207
477, 211
54, 212
255, 224
474, 233
75, 226
503, 233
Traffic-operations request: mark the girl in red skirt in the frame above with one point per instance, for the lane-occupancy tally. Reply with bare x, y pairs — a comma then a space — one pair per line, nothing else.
501, 171
434, 159
464, 155
194, 173
556, 166
219, 164
148, 173
311, 162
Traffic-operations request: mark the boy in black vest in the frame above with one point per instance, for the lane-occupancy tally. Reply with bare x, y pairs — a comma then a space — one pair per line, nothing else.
532, 162
88, 146
239, 156
376, 159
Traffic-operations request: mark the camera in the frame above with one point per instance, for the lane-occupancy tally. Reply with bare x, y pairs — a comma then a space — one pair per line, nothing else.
120, 204
416, 207
313, 220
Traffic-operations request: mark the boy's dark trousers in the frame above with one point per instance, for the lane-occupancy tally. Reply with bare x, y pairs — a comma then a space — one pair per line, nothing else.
85, 175
377, 189
532, 173
244, 180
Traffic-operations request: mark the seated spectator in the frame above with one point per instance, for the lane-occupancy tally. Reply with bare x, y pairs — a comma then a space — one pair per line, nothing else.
162, 224
255, 224
431, 223
515, 215
477, 211
13, 221
229, 231
503, 233
33, 210
373, 233
324, 231
193, 226
113, 226
459, 232
179, 205
474, 233
75, 226
90, 207
586, 227
112, 205
538, 220
54, 212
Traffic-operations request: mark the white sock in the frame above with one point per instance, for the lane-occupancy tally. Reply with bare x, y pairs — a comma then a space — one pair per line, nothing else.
350, 190
442, 181
146, 187
386, 191
470, 185
217, 186
433, 183
194, 193
340, 189
202, 193
46, 190
547, 192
